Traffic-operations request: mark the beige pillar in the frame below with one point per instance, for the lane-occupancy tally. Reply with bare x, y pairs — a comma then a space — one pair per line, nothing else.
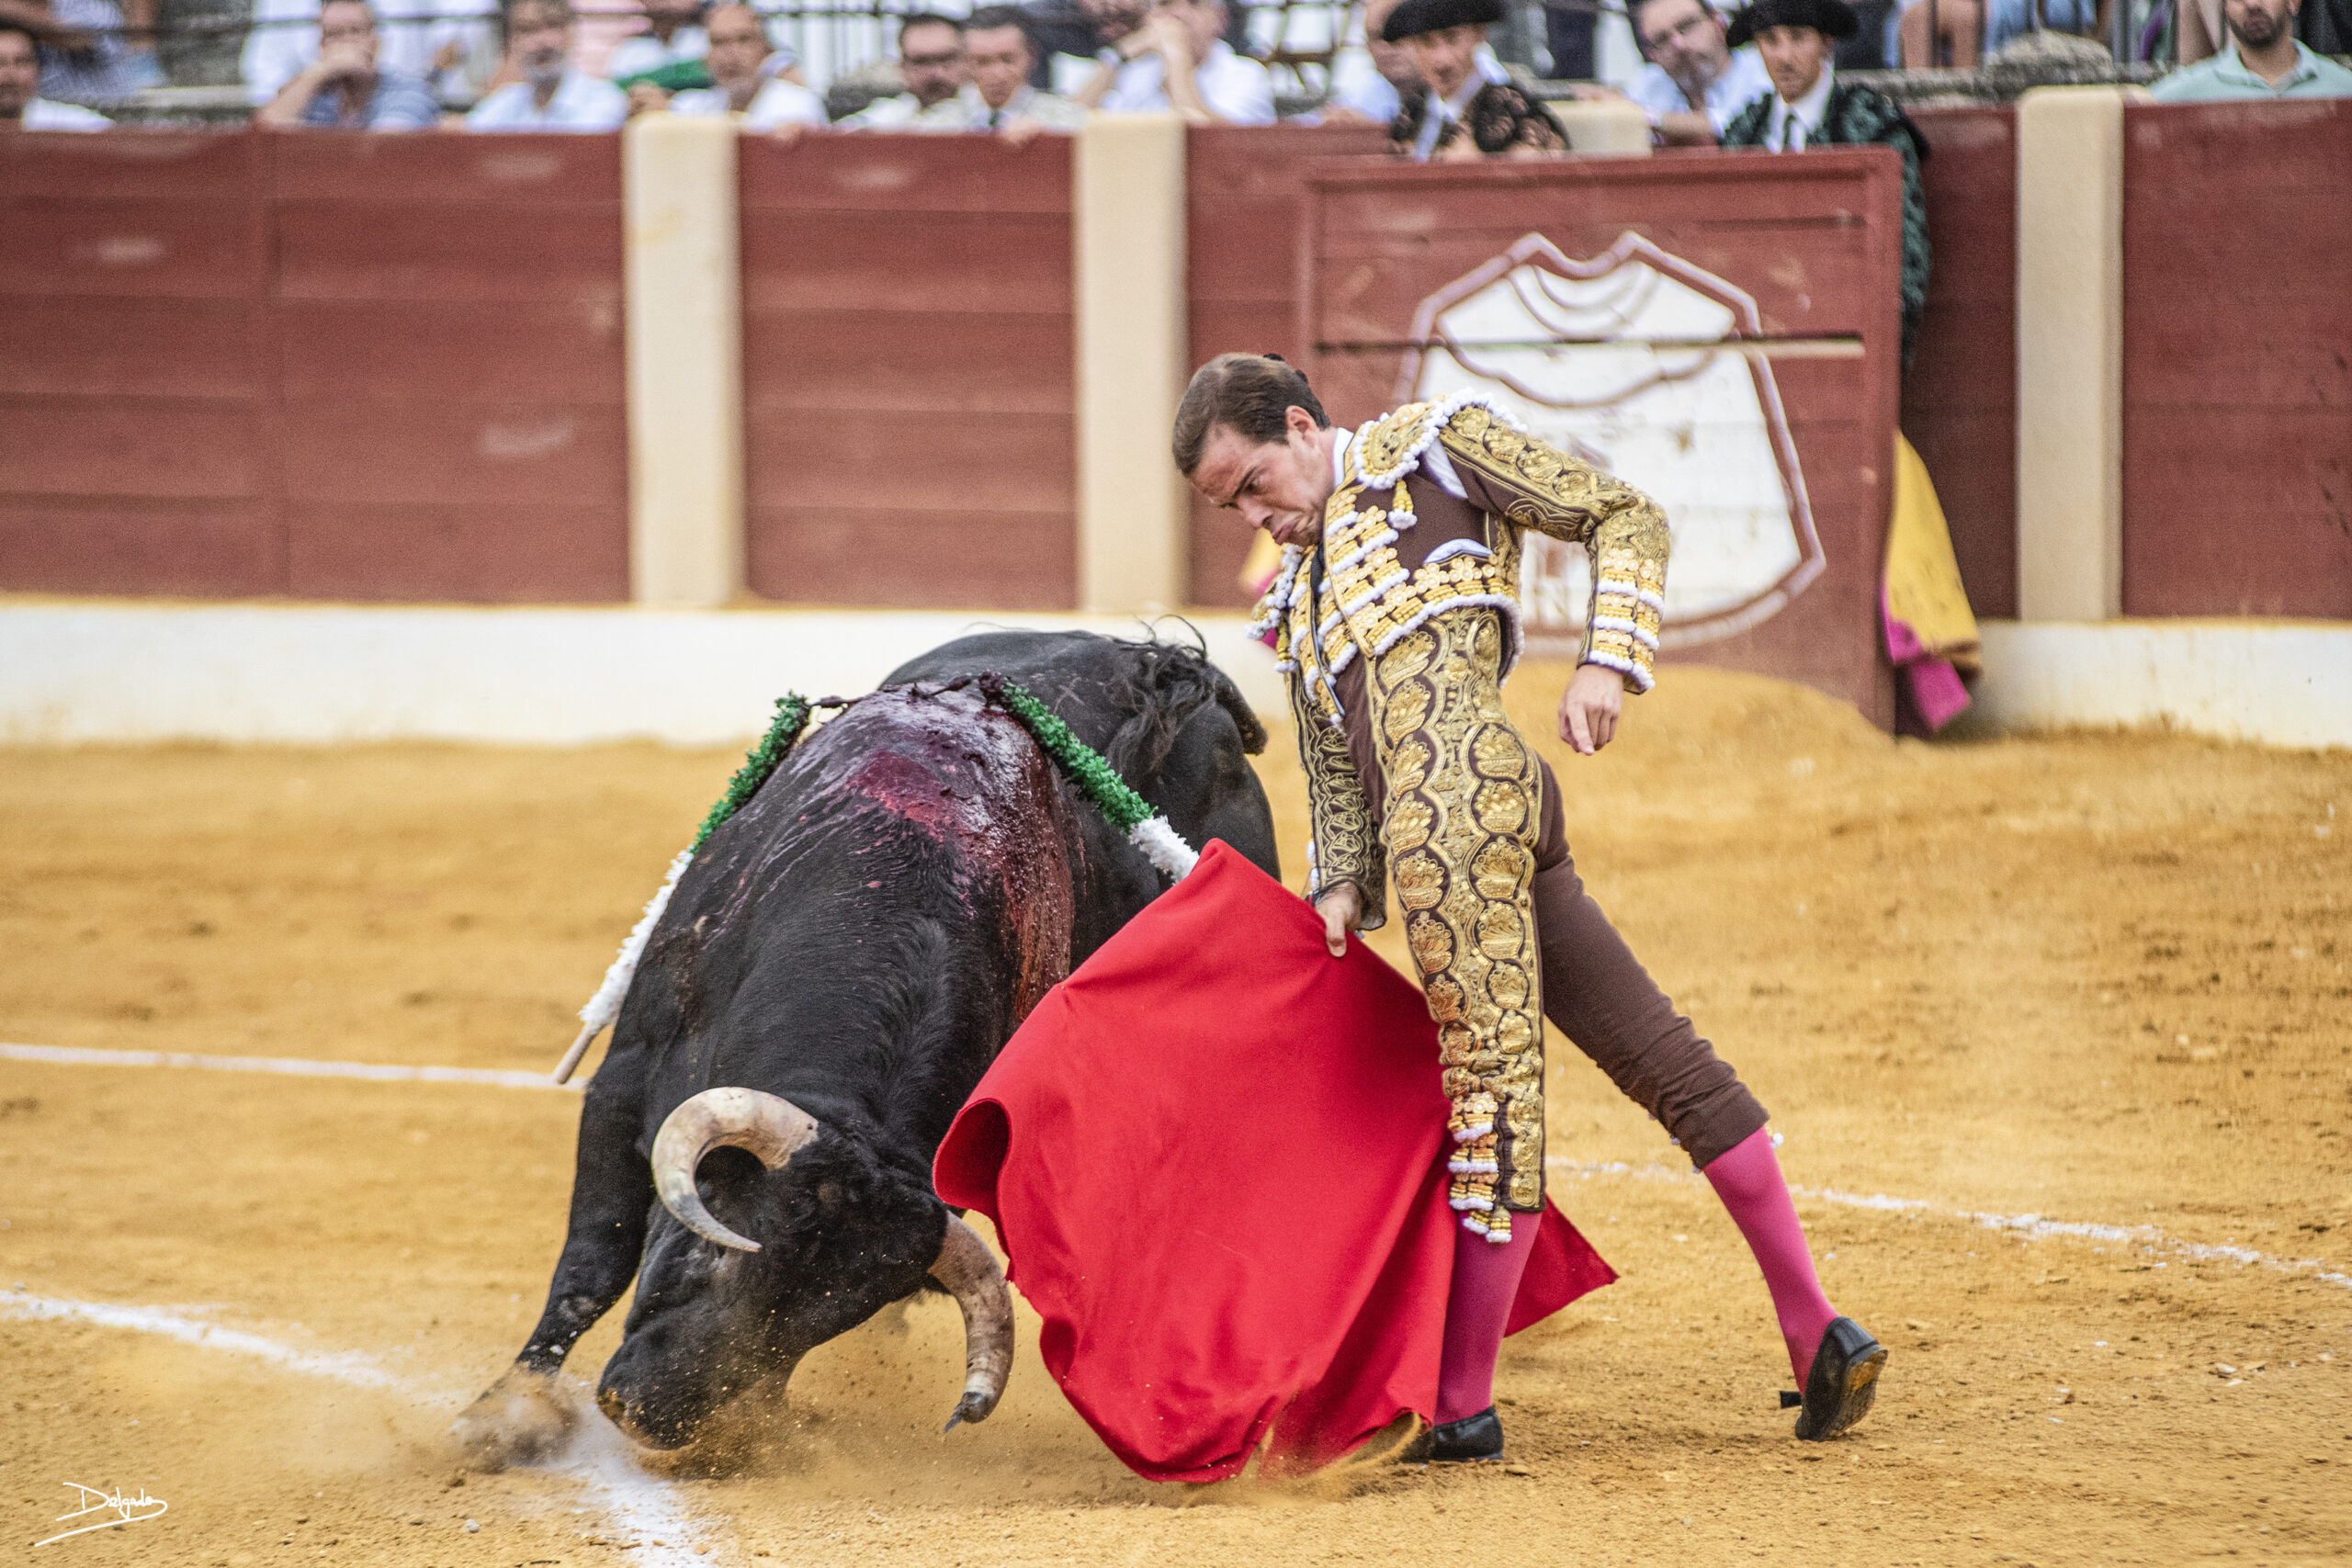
684, 335
1127, 223
1605, 125
2070, 354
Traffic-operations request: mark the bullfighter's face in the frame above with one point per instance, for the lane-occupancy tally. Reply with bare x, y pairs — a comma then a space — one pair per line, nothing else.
840, 1235
1280, 486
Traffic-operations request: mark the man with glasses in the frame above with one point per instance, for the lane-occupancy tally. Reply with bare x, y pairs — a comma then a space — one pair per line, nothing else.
21, 106
1695, 81
344, 88
932, 64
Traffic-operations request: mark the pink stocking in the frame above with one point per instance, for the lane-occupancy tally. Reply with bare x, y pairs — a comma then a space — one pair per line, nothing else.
1747, 1178
1486, 1282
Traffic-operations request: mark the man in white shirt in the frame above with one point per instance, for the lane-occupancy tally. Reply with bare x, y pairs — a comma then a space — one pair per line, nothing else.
1178, 60
551, 95
743, 84
674, 32
444, 42
932, 65
1695, 81
1000, 55
20, 79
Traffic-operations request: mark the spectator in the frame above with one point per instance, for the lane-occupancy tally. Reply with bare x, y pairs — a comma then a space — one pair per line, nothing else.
450, 45
675, 34
2265, 60
1969, 32
1446, 39
549, 92
1808, 107
1695, 81
744, 77
931, 66
344, 88
1365, 83
1176, 59
21, 107
83, 58
1000, 55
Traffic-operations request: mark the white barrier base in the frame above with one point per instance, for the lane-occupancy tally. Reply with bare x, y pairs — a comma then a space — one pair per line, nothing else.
119, 670
102, 671
2278, 683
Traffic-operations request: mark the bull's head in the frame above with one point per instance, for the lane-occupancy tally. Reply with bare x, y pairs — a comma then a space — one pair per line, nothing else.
842, 1235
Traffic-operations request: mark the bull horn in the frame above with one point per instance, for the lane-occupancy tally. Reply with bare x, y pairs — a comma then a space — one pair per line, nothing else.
768, 1125
967, 1268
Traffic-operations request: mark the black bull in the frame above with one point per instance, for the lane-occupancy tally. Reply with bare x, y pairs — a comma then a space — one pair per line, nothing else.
835, 971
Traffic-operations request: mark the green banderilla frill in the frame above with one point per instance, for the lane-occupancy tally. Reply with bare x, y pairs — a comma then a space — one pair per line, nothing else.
791, 712
1081, 765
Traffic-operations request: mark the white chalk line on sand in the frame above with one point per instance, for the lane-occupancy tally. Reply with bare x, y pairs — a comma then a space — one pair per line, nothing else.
2035, 1227
2032, 1227
639, 1505
288, 1066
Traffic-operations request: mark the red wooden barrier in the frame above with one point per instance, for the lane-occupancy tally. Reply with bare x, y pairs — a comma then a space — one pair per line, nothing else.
908, 367
1244, 186
136, 389
1960, 399
1721, 329
325, 366
449, 344
2237, 359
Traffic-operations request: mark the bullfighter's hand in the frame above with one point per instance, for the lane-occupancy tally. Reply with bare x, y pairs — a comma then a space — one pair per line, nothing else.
1596, 695
1341, 908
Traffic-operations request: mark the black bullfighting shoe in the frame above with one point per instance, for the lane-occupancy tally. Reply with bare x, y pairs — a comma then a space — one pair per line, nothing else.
1466, 1441
1843, 1383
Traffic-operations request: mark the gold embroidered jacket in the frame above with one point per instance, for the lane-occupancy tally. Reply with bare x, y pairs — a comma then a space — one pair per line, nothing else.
1396, 637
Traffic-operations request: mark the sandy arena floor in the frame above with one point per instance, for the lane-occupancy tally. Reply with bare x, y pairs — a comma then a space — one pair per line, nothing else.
2099, 980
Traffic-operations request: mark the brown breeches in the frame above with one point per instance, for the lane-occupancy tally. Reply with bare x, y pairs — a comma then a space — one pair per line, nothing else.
1597, 993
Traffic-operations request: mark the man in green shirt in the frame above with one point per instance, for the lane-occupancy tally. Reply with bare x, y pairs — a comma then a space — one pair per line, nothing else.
2265, 60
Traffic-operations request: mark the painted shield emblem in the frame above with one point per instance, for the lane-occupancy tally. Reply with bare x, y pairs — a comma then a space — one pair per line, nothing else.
1652, 370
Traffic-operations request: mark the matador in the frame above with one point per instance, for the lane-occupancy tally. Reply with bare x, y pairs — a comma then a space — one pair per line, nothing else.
1394, 619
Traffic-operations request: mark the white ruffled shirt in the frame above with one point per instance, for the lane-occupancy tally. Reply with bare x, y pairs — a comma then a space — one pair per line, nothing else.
1235, 90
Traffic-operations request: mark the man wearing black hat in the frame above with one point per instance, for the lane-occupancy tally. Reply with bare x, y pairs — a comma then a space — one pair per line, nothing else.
1808, 107
1464, 98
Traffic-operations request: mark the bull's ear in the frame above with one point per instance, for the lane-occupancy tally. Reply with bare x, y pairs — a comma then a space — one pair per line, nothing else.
1245, 717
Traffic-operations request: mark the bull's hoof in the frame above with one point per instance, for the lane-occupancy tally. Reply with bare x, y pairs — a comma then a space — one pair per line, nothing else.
520, 1419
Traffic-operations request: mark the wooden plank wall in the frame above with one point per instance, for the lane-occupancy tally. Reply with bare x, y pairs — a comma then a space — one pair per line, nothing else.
136, 377
449, 340
1814, 239
908, 367
336, 367
2237, 359
1245, 189
1960, 398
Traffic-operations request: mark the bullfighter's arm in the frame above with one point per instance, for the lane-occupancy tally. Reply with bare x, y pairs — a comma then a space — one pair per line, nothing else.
1535, 485
1345, 847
